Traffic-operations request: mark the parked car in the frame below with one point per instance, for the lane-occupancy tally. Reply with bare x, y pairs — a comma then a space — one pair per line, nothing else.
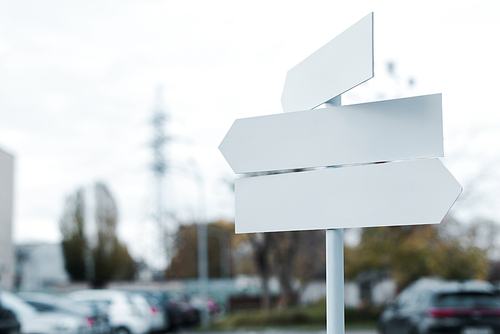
207, 304
172, 309
158, 308
46, 303
34, 322
157, 320
125, 317
189, 315
432, 306
8, 321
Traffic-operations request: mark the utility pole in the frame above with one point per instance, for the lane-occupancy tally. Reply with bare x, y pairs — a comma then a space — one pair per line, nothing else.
159, 167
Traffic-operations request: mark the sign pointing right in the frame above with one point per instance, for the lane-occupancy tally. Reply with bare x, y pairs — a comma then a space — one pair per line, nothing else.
396, 193
341, 64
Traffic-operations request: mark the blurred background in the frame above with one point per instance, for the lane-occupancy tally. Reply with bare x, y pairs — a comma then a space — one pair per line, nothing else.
110, 177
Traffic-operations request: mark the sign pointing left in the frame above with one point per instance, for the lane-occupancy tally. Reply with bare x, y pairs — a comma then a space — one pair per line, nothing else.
389, 130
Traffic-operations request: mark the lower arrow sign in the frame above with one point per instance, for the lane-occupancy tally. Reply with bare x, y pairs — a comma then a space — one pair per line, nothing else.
389, 194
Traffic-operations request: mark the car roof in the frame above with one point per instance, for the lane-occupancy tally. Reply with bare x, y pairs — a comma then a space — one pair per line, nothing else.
93, 293
443, 286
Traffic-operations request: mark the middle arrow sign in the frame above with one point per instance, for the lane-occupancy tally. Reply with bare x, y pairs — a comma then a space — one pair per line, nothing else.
399, 129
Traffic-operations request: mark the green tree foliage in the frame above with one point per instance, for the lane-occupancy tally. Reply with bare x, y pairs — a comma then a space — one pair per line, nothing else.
111, 258
74, 243
117, 265
100, 258
411, 252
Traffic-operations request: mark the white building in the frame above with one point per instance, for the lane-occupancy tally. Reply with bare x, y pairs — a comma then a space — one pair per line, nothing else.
6, 194
316, 290
42, 267
371, 288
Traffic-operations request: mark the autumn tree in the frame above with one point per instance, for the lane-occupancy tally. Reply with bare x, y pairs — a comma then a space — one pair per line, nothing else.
184, 263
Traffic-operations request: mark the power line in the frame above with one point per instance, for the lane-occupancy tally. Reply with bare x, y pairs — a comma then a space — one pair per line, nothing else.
159, 168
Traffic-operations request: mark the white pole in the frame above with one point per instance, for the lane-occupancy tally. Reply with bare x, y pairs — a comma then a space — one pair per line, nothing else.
335, 321
335, 281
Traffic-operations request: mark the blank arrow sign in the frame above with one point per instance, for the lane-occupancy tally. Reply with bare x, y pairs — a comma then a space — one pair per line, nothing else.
390, 130
396, 193
341, 64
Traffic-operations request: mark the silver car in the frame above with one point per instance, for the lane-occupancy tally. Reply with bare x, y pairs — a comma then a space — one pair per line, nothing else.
125, 317
34, 322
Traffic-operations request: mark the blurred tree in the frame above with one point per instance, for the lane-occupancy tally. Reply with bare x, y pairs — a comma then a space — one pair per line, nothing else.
111, 258
74, 243
184, 263
284, 255
310, 262
99, 259
411, 252
287, 255
261, 246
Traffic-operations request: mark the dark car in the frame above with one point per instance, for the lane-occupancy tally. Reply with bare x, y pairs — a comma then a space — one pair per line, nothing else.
433, 306
8, 322
189, 315
178, 309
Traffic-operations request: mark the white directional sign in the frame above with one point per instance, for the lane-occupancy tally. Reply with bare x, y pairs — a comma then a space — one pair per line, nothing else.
340, 167
338, 66
398, 193
390, 130
362, 193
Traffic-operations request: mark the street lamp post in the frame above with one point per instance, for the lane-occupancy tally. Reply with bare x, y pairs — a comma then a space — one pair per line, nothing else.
202, 237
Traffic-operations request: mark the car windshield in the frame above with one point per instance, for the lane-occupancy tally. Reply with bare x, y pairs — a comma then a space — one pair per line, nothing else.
467, 299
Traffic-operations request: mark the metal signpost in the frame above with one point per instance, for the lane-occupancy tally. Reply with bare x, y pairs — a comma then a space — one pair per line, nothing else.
384, 153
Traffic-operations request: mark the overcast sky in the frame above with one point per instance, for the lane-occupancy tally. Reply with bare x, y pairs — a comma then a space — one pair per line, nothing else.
78, 78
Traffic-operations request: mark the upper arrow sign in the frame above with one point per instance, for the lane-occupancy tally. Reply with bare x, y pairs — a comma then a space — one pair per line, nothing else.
396, 193
389, 130
341, 64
